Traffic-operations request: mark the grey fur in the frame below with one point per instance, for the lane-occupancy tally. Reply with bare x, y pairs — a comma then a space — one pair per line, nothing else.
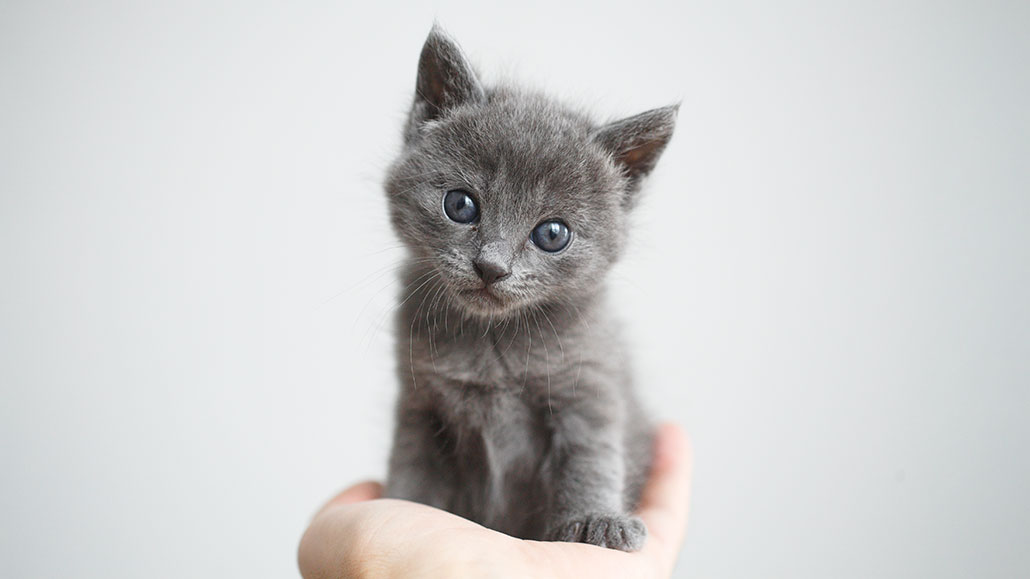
516, 408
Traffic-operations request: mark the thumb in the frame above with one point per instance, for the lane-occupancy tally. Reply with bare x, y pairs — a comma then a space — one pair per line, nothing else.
363, 491
665, 501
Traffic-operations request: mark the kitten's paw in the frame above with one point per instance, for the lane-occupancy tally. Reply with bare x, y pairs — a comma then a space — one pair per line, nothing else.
621, 532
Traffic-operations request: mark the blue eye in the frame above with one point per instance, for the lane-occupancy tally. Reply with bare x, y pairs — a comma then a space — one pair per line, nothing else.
459, 206
551, 236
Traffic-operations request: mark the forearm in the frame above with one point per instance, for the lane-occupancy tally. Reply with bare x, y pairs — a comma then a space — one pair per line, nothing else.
416, 470
588, 468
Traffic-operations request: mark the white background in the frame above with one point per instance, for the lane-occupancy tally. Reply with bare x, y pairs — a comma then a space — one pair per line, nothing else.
828, 280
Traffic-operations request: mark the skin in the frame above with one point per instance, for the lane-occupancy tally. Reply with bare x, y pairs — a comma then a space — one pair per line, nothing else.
358, 534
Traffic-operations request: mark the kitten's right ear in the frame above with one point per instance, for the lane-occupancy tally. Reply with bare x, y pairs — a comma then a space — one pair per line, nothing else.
636, 144
445, 80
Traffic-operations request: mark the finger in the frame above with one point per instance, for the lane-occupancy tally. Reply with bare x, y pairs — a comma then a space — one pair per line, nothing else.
665, 501
363, 491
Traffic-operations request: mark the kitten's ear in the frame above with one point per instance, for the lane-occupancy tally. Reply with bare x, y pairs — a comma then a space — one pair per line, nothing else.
445, 80
636, 143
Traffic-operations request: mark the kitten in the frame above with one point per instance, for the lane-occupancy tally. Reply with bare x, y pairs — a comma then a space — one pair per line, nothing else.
516, 409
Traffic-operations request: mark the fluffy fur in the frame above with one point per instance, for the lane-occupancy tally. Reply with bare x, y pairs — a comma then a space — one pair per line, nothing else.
516, 408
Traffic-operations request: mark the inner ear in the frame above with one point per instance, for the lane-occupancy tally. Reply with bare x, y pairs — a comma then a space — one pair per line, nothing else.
640, 159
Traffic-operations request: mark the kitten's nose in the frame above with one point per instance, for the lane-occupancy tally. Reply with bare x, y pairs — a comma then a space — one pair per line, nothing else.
490, 271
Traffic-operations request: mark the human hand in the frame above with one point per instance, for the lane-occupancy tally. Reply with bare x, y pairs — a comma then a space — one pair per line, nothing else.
359, 534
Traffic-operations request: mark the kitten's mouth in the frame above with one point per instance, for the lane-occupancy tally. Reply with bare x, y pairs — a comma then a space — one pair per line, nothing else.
485, 299
485, 293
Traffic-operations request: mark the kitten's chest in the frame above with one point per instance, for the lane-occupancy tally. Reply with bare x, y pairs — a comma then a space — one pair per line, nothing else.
498, 444
490, 392
507, 359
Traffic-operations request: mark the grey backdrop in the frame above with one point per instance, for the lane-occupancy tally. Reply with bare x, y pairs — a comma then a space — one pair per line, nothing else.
827, 284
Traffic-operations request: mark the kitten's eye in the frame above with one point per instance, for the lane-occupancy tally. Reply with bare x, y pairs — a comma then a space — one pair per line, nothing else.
459, 206
551, 236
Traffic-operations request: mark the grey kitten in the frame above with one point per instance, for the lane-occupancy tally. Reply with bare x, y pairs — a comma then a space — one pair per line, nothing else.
516, 409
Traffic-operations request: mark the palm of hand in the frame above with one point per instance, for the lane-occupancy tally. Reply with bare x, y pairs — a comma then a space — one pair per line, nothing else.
358, 534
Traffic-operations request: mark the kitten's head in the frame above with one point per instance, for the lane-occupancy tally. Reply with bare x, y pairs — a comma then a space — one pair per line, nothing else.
513, 199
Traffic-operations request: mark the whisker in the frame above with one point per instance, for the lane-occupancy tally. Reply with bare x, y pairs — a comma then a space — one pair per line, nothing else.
374, 276
374, 330
411, 334
525, 375
560, 347
547, 360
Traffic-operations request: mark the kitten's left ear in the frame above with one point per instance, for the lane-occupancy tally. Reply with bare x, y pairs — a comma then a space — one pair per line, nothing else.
445, 80
637, 142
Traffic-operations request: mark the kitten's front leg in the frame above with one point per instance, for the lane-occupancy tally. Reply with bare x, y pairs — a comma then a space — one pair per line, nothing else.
417, 469
587, 470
